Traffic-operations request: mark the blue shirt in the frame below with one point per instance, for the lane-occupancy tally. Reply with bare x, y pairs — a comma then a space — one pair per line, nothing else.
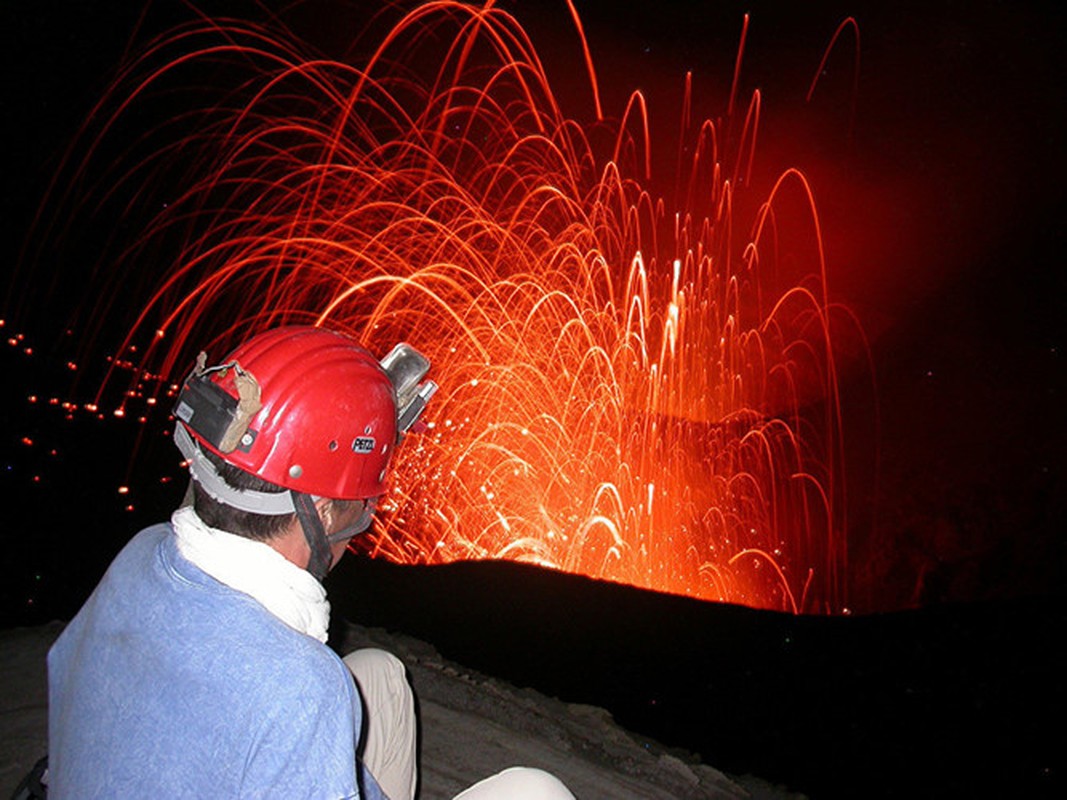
170, 684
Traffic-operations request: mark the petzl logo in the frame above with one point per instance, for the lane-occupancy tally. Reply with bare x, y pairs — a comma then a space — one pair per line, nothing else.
363, 444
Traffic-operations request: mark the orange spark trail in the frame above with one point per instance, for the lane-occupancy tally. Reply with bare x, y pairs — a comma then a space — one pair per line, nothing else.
623, 392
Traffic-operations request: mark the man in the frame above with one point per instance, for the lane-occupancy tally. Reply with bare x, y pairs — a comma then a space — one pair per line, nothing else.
198, 667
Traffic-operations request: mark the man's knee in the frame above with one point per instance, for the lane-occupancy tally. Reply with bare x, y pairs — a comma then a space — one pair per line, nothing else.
518, 783
375, 666
388, 741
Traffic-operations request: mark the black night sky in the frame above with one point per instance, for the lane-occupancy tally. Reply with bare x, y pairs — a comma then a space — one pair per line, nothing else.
942, 202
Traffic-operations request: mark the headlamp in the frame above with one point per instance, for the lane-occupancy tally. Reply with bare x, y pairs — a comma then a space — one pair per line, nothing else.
405, 367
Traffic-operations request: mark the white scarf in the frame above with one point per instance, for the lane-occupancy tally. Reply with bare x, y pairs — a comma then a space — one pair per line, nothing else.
257, 569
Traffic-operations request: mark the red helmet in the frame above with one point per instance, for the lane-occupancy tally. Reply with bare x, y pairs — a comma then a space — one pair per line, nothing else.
301, 407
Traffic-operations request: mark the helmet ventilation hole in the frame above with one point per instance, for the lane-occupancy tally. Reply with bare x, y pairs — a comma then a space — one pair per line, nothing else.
333, 445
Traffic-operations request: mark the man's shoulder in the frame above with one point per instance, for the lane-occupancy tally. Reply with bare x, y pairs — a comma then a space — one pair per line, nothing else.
152, 590
146, 539
142, 547
241, 628
244, 636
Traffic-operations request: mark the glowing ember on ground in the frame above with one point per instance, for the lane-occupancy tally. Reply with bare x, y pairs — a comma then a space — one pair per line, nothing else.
626, 393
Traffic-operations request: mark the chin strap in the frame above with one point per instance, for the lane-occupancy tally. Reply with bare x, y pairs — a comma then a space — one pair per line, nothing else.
361, 524
314, 533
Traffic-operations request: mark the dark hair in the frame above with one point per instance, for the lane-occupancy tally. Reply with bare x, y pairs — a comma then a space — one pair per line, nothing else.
261, 527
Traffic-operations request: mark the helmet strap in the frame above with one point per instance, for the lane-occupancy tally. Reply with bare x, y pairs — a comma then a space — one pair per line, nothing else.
314, 534
271, 504
364, 521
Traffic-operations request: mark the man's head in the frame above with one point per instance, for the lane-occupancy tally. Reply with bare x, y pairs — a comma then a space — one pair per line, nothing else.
341, 519
297, 422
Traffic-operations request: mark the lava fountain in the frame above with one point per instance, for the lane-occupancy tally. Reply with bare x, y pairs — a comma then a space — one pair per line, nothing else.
625, 393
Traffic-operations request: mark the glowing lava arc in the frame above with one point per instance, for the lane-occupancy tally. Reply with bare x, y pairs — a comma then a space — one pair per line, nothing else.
623, 394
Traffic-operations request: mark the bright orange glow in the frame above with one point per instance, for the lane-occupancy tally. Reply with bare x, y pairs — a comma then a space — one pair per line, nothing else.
626, 392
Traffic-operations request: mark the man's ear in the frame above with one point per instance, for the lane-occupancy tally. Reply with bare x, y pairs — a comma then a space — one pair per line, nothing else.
324, 506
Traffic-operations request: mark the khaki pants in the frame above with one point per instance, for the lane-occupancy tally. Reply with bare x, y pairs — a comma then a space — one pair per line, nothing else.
389, 738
